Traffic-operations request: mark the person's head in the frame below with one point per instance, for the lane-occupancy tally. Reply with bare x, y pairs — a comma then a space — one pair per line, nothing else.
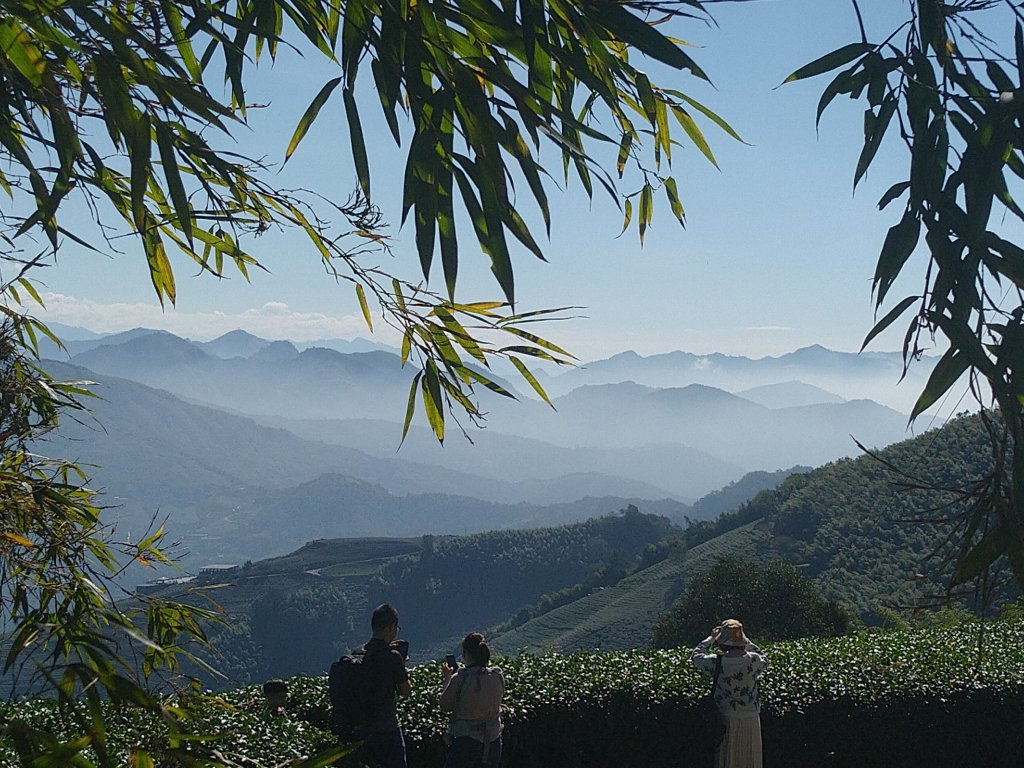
276, 693
384, 622
731, 635
475, 651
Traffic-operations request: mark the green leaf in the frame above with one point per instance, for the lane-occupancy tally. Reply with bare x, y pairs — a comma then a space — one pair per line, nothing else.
182, 209
433, 405
355, 131
646, 205
17, 44
406, 346
534, 339
673, 200
526, 374
139, 150
892, 193
310, 115
999, 78
875, 127
899, 243
361, 295
638, 34
947, 371
460, 334
715, 118
693, 131
1012, 262
888, 320
647, 98
489, 383
410, 408
830, 61
1018, 44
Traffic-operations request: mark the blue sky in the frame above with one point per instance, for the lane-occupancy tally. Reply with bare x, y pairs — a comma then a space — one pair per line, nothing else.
778, 252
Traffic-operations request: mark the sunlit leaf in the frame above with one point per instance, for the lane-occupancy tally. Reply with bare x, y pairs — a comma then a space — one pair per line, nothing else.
830, 61
310, 115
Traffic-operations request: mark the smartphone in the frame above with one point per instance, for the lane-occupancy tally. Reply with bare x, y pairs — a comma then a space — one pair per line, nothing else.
450, 661
402, 646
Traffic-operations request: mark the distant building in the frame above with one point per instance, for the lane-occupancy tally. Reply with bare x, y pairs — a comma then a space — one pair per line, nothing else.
156, 585
218, 568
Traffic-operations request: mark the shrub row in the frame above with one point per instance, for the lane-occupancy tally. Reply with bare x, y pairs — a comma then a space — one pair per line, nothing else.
928, 697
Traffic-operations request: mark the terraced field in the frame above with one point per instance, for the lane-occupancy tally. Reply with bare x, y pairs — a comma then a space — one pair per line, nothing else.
615, 617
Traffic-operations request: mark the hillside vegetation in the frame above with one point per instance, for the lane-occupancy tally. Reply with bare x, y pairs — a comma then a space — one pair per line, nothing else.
605, 583
936, 698
852, 526
296, 614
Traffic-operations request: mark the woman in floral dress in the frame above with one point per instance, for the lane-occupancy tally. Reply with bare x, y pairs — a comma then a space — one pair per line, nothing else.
736, 693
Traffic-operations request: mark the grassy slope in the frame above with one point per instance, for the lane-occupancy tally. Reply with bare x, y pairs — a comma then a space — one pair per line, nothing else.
623, 615
848, 524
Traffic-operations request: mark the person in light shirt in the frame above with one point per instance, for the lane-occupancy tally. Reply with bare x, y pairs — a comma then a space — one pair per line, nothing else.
736, 693
472, 693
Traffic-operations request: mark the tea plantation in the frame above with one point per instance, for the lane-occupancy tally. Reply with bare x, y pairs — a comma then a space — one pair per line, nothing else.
936, 698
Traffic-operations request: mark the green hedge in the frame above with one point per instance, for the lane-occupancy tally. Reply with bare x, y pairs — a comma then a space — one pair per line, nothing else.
865, 700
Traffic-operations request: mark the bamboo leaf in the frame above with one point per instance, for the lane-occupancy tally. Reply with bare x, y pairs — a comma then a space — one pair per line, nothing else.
17, 538
899, 243
646, 204
708, 113
361, 295
947, 371
874, 131
310, 115
16, 44
139, 150
693, 131
830, 61
182, 209
531, 379
892, 193
355, 131
888, 320
410, 407
433, 405
673, 200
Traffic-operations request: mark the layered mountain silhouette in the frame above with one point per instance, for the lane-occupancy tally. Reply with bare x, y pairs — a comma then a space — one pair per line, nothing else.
204, 431
872, 375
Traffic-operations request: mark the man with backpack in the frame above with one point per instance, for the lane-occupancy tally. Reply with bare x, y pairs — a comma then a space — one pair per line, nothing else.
364, 688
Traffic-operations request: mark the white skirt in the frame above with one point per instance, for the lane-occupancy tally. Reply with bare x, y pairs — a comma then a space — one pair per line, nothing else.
741, 745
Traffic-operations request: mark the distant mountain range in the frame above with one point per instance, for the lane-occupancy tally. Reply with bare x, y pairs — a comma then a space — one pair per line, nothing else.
205, 432
868, 375
233, 490
232, 344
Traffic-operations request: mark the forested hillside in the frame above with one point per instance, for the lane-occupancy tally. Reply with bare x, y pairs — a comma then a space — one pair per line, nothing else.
456, 585
295, 614
856, 524
853, 526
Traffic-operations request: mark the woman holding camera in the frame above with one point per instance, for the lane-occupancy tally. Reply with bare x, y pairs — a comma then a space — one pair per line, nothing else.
735, 692
472, 693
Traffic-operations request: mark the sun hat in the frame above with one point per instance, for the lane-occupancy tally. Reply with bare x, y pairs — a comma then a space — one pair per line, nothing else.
730, 634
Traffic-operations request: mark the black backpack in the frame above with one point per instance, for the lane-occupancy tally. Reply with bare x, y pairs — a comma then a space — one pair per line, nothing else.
355, 683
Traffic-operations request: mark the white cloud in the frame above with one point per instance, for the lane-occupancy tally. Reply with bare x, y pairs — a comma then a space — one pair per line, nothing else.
768, 329
273, 320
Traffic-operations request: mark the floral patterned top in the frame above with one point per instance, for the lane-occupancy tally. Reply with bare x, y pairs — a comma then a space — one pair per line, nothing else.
737, 684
